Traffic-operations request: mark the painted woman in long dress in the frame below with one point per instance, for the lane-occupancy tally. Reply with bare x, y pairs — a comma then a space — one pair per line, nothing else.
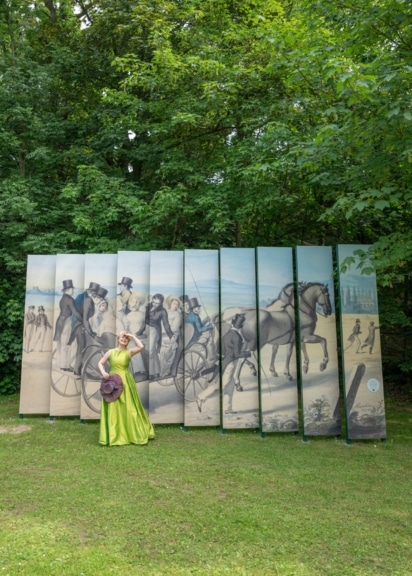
169, 345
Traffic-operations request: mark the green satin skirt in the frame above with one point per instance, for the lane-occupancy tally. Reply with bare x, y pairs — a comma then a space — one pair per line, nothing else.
124, 421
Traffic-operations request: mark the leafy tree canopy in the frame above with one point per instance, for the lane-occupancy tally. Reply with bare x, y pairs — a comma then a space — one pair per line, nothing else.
202, 123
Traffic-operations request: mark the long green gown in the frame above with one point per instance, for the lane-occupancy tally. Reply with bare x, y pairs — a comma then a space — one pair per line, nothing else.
124, 421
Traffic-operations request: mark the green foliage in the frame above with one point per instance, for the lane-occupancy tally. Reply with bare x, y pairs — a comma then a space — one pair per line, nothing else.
11, 322
395, 306
168, 125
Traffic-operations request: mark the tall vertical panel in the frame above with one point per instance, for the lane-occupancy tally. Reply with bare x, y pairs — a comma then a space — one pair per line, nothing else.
66, 386
164, 331
38, 335
98, 332
133, 286
276, 321
199, 373
318, 341
240, 396
361, 350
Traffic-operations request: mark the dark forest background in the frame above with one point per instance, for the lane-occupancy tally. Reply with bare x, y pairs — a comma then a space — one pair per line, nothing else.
154, 124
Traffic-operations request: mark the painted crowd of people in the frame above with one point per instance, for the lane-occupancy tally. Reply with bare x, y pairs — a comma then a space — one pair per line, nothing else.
91, 317
36, 326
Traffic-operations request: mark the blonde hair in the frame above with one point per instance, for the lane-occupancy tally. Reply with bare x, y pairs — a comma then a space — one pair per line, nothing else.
125, 334
170, 299
136, 300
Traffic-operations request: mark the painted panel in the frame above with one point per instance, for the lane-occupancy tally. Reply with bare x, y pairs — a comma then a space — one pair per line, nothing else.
318, 341
240, 396
38, 335
66, 386
164, 342
200, 373
97, 334
276, 315
364, 398
133, 287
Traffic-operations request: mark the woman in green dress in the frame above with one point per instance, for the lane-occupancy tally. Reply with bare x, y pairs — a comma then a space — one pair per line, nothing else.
123, 421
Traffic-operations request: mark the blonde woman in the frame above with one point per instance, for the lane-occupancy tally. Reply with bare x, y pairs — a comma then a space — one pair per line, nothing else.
123, 421
134, 323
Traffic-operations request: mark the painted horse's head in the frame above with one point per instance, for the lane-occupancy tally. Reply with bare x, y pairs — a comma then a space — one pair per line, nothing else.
315, 294
287, 295
324, 299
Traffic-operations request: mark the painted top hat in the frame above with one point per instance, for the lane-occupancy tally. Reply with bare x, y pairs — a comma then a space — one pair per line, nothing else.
67, 284
238, 320
93, 286
112, 388
40, 308
102, 292
31, 307
193, 303
126, 281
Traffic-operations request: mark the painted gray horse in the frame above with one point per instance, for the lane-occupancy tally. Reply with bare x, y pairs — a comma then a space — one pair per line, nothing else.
277, 327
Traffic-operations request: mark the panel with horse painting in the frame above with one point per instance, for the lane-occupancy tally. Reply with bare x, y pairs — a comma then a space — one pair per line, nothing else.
318, 341
239, 362
276, 331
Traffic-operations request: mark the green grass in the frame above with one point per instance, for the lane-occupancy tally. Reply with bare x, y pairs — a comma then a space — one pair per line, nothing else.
202, 503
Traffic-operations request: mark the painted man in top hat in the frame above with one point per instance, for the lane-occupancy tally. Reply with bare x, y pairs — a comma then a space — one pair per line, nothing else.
156, 316
29, 326
193, 318
354, 336
86, 308
125, 287
185, 301
42, 325
370, 339
103, 322
64, 326
232, 343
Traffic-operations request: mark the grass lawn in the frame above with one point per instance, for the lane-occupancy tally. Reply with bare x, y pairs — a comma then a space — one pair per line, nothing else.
201, 502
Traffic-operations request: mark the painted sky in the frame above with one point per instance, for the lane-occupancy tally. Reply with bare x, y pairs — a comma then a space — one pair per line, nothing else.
134, 265
41, 271
166, 270
101, 268
203, 264
274, 266
70, 267
314, 263
238, 265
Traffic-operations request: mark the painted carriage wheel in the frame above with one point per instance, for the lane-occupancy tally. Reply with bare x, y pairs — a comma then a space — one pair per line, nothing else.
64, 382
189, 380
91, 379
164, 381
